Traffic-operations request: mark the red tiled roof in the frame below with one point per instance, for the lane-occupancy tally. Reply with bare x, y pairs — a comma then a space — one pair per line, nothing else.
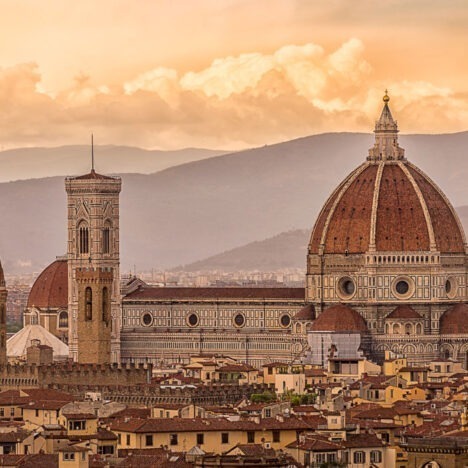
92, 175
50, 290
340, 318
454, 321
180, 293
306, 314
345, 221
403, 311
213, 424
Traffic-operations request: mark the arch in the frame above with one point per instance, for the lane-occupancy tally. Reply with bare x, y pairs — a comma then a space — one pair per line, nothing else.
387, 329
105, 305
83, 237
408, 329
407, 349
419, 330
88, 303
396, 329
63, 319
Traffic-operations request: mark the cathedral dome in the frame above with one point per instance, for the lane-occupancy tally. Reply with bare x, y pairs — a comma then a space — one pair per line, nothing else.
339, 318
387, 204
50, 290
454, 321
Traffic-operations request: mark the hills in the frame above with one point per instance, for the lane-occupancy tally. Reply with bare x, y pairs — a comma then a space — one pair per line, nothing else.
35, 163
196, 210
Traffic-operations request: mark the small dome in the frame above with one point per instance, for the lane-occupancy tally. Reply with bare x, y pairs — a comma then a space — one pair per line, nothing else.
50, 290
403, 312
306, 314
340, 318
454, 321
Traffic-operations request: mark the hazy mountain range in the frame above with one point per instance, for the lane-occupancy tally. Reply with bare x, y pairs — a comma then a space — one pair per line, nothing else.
196, 210
35, 163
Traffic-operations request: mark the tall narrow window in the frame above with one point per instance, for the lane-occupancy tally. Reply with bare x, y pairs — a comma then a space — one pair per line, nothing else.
88, 303
83, 240
105, 305
2, 313
63, 319
106, 240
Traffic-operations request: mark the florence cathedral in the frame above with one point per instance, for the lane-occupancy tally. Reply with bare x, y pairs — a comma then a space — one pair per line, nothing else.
387, 270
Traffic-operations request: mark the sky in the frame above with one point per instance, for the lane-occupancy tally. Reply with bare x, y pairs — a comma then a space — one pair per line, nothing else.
227, 74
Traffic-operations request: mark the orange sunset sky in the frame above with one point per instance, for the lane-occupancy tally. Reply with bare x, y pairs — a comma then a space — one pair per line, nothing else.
226, 73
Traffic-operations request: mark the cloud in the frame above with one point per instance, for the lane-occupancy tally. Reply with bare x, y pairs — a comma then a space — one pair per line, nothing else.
237, 101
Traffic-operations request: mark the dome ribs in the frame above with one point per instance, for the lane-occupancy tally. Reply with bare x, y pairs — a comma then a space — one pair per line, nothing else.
347, 232
448, 234
400, 222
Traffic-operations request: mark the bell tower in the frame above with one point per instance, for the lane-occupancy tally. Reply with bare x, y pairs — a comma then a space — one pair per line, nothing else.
93, 267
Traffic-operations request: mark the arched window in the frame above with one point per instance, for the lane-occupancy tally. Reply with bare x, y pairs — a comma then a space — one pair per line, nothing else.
446, 354
106, 240
88, 303
83, 239
387, 329
2, 313
408, 329
418, 329
34, 319
396, 329
63, 319
105, 305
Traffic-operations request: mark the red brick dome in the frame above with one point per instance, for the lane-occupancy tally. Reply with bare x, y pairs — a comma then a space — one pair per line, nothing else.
340, 318
387, 204
50, 290
403, 312
454, 321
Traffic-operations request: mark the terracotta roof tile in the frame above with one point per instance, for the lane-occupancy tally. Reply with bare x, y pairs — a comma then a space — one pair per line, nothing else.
50, 290
340, 318
180, 293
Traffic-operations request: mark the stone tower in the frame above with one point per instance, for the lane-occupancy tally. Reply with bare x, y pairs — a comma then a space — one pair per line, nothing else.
3, 298
93, 268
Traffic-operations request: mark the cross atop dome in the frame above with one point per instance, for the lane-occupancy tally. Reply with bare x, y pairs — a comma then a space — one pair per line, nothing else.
386, 137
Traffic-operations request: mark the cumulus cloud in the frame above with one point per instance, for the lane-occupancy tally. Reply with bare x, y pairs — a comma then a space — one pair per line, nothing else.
235, 102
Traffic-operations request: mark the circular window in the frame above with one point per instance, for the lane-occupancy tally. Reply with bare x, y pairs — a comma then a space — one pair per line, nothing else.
239, 320
451, 287
193, 320
403, 287
285, 320
346, 287
147, 319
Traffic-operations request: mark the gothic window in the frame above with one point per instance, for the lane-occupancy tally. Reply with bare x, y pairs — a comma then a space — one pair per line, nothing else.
2, 313
88, 304
106, 238
105, 305
408, 329
396, 329
63, 319
419, 329
83, 239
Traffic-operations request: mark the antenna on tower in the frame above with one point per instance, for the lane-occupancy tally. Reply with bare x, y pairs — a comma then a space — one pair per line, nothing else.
92, 153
